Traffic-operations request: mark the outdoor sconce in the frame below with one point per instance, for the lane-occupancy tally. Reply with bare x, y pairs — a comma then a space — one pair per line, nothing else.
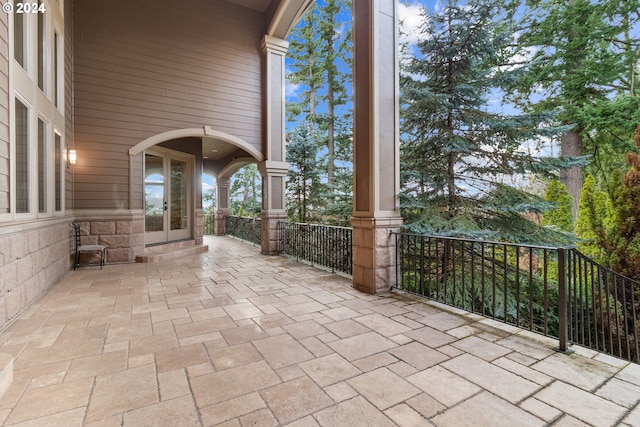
72, 157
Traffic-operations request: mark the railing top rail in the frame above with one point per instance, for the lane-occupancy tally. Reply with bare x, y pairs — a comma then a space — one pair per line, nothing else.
315, 225
633, 282
489, 242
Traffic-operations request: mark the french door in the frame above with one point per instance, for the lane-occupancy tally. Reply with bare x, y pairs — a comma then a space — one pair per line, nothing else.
168, 187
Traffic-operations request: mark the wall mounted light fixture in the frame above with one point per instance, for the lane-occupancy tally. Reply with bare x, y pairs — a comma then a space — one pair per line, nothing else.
72, 157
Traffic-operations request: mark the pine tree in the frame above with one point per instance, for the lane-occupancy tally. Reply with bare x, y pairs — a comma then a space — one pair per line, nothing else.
305, 68
304, 187
626, 235
245, 191
335, 53
561, 215
320, 64
594, 217
320, 49
577, 63
457, 153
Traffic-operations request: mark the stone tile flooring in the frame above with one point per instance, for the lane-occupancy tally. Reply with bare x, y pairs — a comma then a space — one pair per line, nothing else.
233, 338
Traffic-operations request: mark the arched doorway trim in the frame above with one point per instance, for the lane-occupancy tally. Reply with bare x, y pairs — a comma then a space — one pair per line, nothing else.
234, 166
203, 132
287, 15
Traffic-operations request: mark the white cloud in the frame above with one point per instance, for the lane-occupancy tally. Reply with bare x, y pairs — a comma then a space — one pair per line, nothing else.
291, 89
411, 18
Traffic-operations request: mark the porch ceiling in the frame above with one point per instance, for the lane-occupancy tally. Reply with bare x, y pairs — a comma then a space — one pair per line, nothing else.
216, 149
260, 5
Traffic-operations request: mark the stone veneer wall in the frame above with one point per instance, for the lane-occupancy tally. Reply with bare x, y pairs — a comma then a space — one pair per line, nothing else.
123, 237
33, 256
270, 238
198, 227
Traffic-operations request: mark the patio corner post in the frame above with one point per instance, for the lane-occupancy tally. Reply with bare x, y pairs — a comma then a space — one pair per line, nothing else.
376, 147
563, 315
223, 204
274, 168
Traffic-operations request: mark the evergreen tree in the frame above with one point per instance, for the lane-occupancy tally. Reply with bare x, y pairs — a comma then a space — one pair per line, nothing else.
625, 239
304, 187
340, 192
320, 64
613, 122
209, 200
577, 64
594, 216
305, 67
561, 215
456, 152
246, 189
336, 49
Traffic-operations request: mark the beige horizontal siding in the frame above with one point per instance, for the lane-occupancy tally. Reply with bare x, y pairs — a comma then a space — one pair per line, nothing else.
144, 67
68, 95
5, 195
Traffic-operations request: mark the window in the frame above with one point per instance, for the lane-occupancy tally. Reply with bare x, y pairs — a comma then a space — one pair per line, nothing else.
42, 39
42, 167
58, 172
56, 70
22, 157
19, 42
32, 172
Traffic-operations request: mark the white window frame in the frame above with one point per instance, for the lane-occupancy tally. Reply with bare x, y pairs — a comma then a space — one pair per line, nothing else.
63, 172
41, 105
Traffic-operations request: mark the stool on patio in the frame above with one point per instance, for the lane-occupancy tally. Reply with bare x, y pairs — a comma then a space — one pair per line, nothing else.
80, 248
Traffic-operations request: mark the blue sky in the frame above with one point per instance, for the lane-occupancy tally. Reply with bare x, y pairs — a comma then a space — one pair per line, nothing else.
409, 13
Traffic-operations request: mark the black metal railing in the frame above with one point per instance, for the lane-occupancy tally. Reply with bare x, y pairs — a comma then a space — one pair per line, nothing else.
557, 292
602, 307
244, 228
208, 224
321, 245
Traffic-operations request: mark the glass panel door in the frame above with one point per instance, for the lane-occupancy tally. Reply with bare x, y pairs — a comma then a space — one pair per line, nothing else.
154, 199
167, 190
179, 195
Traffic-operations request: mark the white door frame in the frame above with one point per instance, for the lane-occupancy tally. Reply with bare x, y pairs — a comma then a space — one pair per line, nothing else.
164, 233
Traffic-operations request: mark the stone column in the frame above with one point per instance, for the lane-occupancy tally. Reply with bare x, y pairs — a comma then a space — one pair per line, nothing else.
273, 204
376, 164
223, 204
274, 168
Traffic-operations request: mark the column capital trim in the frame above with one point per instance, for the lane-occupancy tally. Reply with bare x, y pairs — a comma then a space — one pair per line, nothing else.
272, 167
223, 181
393, 222
275, 45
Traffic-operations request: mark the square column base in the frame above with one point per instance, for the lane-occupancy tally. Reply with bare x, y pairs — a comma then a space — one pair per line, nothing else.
374, 257
219, 222
270, 236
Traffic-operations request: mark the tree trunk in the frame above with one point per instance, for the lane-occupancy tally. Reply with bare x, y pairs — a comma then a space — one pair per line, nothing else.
571, 146
331, 152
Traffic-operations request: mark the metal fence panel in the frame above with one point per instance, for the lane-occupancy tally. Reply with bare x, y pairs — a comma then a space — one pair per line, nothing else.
321, 245
556, 292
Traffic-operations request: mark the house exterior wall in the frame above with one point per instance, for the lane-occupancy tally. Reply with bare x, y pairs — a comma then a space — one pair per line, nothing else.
147, 67
35, 247
4, 115
68, 95
130, 70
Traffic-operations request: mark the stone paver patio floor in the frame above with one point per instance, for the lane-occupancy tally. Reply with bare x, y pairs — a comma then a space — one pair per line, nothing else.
234, 338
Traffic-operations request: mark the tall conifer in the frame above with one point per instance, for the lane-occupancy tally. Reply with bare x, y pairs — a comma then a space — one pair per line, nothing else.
456, 153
